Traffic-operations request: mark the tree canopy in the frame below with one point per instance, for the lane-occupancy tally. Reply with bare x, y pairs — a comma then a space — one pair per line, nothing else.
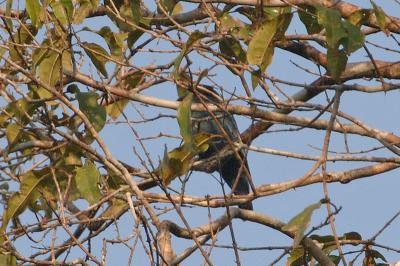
98, 155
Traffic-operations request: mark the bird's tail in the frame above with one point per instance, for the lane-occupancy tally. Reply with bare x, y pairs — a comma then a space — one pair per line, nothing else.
229, 171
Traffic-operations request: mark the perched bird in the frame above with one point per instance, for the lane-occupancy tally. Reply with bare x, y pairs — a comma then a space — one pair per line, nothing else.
230, 166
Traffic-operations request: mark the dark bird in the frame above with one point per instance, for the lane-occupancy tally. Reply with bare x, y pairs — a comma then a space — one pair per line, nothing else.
230, 166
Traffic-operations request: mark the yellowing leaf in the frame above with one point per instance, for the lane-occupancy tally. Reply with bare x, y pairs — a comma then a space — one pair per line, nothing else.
183, 116
87, 179
59, 12
300, 222
13, 131
8, 260
258, 46
115, 109
34, 11
177, 162
380, 17
19, 200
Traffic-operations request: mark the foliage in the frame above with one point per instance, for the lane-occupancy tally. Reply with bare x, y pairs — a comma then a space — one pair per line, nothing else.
72, 71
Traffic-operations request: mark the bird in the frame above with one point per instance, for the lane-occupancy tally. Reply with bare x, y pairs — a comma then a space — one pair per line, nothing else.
229, 167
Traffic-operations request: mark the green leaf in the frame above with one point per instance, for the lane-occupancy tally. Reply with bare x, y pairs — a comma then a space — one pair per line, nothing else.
183, 116
337, 61
13, 131
21, 110
115, 41
307, 15
7, 260
59, 12
89, 106
354, 39
98, 56
231, 47
259, 44
8, 13
332, 22
296, 257
34, 10
69, 8
50, 68
255, 78
85, 6
87, 180
168, 5
18, 202
135, 9
380, 17
300, 222
133, 36
193, 38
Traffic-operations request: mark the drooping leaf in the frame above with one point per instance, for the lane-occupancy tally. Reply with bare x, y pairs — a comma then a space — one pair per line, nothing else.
98, 56
87, 179
337, 61
8, 260
85, 6
13, 131
115, 41
380, 17
50, 68
89, 106
34, 10
133, 36
331, 20
300, 222
183, 116
258, 46
308, 16
135, 9
18, 202
177, 162
231, 47
60, 12
354, 39
193, 38
8, 20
